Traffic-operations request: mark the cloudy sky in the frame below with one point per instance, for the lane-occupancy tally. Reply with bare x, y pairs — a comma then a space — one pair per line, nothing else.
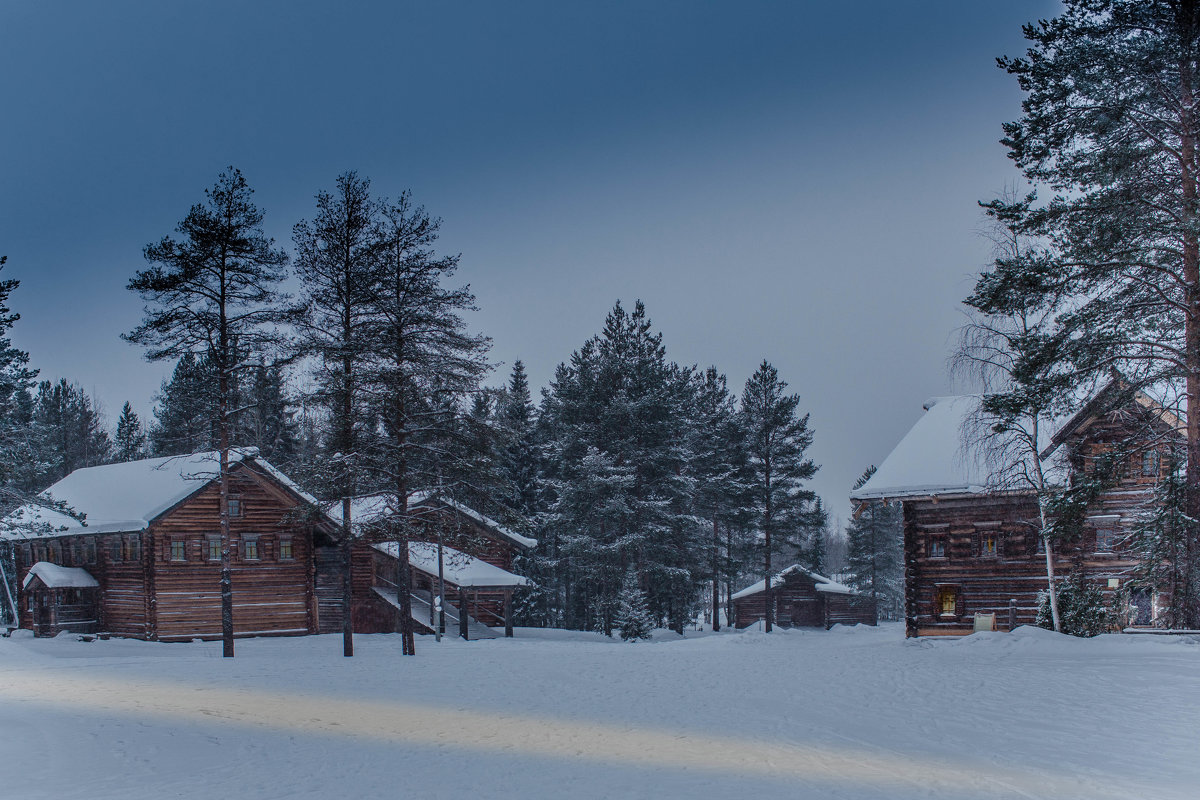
781, 180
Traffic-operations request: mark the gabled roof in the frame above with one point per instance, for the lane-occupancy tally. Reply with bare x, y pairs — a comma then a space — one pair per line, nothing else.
458, 568
55, 577
824, 584
933, 460
127, 497
930, 459
373, 508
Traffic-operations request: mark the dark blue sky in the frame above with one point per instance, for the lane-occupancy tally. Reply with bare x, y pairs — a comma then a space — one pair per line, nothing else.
781, 180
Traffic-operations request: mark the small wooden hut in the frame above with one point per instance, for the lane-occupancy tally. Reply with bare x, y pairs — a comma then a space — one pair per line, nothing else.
804, 599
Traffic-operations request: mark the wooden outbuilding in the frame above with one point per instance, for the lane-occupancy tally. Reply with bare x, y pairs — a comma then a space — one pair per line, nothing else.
973, 544
150, 539
477, 566
61, 599
804, 599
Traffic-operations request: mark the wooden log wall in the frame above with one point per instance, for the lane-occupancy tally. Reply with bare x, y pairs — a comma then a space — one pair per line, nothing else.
272, 595
799, 604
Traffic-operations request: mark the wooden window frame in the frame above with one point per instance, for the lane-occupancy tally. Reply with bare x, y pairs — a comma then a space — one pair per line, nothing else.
89, 550
285, 544
994, 538
211, 554
133, 547
1109, 535
116, 550
250, 541
177, 550
234, 504
937, 547
940, 593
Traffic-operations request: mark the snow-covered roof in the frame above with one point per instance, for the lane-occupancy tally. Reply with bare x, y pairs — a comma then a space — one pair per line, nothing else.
824, 584
457, 567
128, 496
56, 577
369, 509
933, 458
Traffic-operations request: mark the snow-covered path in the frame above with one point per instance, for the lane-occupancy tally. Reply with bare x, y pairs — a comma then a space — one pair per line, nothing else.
845, 713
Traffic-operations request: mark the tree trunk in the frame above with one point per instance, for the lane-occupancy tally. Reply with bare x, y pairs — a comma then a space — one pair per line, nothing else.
347, 587
1191, 276
716, 577
223, 479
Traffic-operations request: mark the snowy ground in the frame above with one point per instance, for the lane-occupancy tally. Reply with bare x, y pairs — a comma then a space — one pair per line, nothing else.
849, 713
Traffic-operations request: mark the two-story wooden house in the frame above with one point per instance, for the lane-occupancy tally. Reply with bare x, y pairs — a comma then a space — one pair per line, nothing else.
973, 545
145, 560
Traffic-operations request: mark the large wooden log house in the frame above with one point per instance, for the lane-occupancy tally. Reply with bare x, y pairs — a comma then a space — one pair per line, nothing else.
803, 599
972, 546
145, 561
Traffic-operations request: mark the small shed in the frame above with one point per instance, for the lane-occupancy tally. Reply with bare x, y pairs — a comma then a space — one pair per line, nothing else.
804, 599
62, 599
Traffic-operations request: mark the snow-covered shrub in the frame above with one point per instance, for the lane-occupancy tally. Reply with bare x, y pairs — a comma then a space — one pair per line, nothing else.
1081, 608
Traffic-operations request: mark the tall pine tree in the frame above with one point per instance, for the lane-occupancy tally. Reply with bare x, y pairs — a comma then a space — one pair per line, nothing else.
777, 440
212, 291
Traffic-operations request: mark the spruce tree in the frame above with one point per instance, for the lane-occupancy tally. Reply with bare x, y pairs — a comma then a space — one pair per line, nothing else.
777, 440
129, 444
616, 416
633, 618
874, 553
1110, 125
184, 411
213, 291
69, 429
717, 460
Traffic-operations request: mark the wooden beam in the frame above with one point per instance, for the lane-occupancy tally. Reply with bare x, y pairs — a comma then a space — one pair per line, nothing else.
508, 622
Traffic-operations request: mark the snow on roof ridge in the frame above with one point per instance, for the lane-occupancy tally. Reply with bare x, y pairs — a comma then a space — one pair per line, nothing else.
127, 495
373, 506
58, 577
823, 584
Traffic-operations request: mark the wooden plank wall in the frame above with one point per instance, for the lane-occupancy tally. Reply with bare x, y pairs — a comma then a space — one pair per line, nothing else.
987, 584
271, 595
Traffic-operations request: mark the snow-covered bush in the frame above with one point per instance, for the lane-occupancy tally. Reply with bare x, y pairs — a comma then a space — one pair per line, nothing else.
1081, 608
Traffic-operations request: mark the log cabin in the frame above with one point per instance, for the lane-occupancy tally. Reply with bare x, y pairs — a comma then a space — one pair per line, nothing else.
477, 563
804, 599
144, 561
972, 543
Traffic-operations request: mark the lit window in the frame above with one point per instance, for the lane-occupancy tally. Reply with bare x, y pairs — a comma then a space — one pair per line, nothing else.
250, 549
178, 553
285, 550
987, 545
937, 548
214, 548
947, 601
235, 506
1106, 540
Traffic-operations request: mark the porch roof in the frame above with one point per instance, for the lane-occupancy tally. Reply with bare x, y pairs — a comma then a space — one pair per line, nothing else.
56, 577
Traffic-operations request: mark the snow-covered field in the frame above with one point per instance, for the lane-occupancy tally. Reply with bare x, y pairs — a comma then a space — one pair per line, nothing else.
848, 713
